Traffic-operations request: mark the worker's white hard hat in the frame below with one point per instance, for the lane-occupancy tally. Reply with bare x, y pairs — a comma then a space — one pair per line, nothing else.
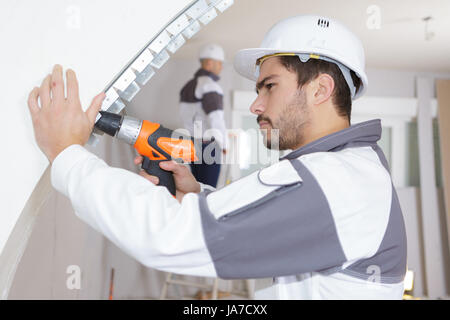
308, 36
212, 51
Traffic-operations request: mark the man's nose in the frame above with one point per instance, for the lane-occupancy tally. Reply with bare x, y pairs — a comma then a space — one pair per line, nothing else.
257, 106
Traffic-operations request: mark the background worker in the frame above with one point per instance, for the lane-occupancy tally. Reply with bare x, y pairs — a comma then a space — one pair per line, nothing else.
201, 110
322, 223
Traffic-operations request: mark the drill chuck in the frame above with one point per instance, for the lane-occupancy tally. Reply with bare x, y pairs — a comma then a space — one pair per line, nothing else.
109, 123
124, 128
129, 130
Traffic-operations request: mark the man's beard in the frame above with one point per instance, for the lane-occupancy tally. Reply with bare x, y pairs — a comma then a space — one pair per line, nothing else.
286, 132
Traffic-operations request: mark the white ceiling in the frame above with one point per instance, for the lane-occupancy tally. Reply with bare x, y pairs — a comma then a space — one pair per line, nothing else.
398, 44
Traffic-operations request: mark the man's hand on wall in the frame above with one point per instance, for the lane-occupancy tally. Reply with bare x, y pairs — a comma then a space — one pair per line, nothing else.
60, 121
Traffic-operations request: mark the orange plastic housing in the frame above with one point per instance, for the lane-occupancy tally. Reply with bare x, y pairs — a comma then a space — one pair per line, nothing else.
176, 148
141, 144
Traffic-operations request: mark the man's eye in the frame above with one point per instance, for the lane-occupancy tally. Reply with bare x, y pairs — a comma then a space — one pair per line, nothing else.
269, 86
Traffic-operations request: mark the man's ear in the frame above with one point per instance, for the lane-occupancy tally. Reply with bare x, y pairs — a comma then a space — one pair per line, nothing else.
323, 87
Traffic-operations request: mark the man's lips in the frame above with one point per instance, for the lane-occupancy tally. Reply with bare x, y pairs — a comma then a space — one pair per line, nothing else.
263, 123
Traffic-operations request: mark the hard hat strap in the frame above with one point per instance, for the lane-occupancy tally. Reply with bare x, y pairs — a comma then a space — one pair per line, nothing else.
261, 60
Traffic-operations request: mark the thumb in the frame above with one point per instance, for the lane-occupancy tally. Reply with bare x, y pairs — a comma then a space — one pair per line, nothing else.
95, 106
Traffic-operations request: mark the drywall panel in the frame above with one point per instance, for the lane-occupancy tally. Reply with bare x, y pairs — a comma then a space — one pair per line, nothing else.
443, 97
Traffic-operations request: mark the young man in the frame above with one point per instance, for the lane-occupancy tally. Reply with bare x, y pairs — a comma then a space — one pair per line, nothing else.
201, 110
322, 223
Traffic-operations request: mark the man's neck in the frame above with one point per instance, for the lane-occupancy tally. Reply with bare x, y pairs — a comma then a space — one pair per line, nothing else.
317, 132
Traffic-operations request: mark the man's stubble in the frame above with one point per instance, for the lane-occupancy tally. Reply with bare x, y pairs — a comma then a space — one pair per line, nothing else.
287, 131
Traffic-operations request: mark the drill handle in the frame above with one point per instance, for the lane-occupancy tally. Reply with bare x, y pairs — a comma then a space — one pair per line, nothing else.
165, 177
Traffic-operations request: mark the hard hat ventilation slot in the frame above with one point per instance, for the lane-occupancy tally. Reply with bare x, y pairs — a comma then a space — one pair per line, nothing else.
323, 23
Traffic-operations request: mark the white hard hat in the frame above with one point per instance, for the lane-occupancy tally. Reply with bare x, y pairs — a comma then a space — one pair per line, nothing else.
212, 51
309, 36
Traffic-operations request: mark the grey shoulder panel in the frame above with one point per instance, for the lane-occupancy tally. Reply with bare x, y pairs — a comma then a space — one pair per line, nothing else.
292, 232
388, 265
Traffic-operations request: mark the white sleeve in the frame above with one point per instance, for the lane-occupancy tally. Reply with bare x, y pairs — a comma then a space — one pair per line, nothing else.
204, 187
142, 219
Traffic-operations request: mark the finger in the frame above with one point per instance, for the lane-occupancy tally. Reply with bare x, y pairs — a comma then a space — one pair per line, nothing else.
72, 86
138, 160
44, 92
171, 166
57, 86
95, 106
152, 179
33, 101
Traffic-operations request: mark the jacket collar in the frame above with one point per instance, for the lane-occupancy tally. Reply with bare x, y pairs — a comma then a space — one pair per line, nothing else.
203, 72
365, 133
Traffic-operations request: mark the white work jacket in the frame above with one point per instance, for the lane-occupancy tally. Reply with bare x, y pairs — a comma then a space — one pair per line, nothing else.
322, 223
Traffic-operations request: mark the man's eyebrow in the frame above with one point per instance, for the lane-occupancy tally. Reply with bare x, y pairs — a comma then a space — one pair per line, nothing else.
260, 84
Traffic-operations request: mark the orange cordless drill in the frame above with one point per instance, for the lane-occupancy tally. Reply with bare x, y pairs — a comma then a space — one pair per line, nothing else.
154, 142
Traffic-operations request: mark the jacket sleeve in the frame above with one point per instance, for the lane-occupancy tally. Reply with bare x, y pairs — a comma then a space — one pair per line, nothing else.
206, 187
142, 219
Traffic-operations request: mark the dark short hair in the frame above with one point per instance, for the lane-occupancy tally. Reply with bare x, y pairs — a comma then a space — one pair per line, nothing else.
310, 70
